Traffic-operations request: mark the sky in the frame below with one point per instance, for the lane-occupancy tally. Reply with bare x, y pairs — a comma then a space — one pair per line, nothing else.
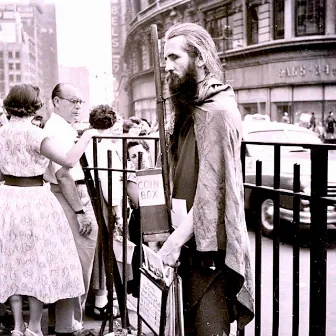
84, 39
84, 34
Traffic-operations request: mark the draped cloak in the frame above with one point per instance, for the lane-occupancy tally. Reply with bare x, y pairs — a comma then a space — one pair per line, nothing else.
219, 219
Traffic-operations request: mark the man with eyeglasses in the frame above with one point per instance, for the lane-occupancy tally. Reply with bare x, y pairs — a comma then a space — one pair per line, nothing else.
70, 189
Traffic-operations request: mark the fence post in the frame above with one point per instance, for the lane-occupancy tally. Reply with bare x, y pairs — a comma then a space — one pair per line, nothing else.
318, 234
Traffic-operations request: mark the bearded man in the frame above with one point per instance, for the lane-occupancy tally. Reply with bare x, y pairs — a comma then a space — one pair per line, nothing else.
211, 243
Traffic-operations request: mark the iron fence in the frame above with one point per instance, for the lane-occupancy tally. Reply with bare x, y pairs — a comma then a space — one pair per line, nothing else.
322, 194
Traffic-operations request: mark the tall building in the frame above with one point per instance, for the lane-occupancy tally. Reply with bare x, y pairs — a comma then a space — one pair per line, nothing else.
119, 68
14, 49
28, 45
279, 55
49, 58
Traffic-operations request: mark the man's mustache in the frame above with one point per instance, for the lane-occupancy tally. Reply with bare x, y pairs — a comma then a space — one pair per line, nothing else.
171, 75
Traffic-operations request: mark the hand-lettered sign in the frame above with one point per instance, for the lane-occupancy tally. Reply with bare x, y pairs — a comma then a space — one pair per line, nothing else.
150, 187
152, 204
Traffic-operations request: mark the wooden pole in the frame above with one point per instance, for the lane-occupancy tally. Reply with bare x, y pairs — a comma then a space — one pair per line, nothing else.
178, 330
160, 115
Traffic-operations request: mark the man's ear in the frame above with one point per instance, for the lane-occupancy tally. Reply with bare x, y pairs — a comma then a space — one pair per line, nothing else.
56, 101
200, 62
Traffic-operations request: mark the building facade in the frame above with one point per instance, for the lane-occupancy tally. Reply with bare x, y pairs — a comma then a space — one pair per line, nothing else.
28, 46
119, 68
278, 55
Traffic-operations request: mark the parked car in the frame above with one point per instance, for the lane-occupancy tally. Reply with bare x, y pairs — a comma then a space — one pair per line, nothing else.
283, 133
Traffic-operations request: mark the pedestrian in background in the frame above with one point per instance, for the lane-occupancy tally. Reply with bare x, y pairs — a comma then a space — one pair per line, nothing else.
285, 118
330, 125
70, 189
145, 127
312, 122
107, 123
211, 242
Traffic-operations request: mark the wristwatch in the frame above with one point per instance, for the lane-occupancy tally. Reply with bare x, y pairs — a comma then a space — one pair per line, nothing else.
80, 212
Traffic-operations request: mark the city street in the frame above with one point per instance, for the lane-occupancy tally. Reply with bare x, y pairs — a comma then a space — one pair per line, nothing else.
286, 264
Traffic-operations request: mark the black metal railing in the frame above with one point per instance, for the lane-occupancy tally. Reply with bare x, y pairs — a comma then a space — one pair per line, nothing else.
319, 198
322, 193
106, 224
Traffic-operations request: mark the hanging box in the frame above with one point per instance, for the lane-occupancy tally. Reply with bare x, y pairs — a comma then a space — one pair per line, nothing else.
153, 209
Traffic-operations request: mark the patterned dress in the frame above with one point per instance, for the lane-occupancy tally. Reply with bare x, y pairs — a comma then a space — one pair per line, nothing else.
38, 256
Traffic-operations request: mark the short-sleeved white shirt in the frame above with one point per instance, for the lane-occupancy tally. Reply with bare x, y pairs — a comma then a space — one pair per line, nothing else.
65, 136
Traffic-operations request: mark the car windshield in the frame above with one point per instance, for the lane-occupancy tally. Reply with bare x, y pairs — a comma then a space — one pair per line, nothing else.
283, 136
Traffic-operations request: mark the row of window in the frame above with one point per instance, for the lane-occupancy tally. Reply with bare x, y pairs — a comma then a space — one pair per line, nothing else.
15, 78
11, 54
310, 16
309, 19
14, 66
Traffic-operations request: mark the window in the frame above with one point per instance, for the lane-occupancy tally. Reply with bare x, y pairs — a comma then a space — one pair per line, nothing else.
18, 78
17, 54
137, 6
252, 25
150, 53
309, 17
18, 66
11, 78
1, 54
10, 54
279, 19
219, 24
11, 66
138, 56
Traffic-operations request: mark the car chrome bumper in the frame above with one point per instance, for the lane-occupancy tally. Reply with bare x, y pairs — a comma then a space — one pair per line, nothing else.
305, 216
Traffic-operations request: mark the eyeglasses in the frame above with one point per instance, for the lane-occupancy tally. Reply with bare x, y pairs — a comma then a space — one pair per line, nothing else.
73, 101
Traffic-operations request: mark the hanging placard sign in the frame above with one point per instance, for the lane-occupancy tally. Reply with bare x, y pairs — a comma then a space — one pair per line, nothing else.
150, 186
152, 303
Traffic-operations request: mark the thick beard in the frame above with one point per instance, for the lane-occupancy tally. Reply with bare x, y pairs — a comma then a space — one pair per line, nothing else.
183, 92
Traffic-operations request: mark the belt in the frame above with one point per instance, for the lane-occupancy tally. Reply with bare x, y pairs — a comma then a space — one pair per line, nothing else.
24, 181
212, 260
80, 182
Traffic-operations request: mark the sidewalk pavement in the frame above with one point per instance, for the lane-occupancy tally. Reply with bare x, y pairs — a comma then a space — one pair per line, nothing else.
90, 324
93, 325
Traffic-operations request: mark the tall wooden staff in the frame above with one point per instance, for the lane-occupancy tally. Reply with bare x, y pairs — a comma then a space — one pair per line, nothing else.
177, 329
160, 116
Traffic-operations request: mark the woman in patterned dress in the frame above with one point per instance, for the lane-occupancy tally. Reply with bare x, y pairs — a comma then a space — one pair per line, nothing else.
38, 256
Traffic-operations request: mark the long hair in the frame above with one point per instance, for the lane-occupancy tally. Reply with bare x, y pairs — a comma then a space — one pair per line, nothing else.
198, 43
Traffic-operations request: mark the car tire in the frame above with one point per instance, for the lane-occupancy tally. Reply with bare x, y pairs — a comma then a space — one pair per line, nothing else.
267, 216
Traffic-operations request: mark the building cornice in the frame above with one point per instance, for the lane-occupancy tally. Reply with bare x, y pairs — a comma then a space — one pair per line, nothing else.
274, 47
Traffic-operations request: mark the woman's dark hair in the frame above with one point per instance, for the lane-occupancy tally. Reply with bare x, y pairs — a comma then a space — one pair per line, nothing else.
102, 117
136, 142
23, 100
135, 120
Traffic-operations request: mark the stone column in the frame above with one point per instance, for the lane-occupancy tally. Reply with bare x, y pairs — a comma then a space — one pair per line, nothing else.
330, 17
